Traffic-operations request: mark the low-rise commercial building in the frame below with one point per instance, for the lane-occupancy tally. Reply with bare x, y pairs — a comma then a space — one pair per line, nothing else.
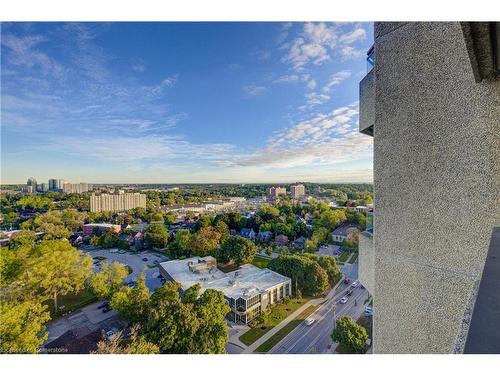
248, 290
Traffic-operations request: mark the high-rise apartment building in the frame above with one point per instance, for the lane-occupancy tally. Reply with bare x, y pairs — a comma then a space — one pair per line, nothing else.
297, 191
432, 104
117, 202
274, 192
81, 187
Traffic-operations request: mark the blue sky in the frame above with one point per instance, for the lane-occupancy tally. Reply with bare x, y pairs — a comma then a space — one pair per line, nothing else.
183, 102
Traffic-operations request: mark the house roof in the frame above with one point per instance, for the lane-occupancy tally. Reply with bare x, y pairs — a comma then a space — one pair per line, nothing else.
343, 229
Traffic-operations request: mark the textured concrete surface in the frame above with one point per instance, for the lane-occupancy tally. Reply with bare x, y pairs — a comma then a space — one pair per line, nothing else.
367, 102
436, 153
367, 262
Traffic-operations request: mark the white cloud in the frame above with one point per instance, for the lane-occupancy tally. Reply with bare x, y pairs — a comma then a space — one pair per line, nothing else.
336, 79
351, 52
319, 42
353, 36
139, 68
325, 139
253, 90
292, 78
314, 99
311, 84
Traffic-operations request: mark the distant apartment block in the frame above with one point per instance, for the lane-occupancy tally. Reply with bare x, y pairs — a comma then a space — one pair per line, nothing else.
82, 187
431, 101
117, 202
274, 192
297, 191
248, 290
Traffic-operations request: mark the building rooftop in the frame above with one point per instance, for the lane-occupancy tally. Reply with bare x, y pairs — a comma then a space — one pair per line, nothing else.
344, 229
245, 282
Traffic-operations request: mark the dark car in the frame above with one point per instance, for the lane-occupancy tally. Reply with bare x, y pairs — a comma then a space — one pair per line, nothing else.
346, 281
145, 259
107, 309
349, 293
103, 305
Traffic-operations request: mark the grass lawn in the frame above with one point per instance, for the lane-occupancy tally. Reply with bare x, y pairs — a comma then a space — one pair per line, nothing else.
71, 302
353, 258
344, 256
283, 332
278, 312
260, 262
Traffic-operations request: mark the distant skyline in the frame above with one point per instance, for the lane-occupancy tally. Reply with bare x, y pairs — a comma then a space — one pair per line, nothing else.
183, 102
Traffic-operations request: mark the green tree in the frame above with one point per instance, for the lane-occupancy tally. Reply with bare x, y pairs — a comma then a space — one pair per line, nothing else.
22, 326
133, 344
351, 335
330, 219
222, 228
56, 269
188, 325
132, 303
205, 241
237, 249
170, 218
156, 236
181, 245
109, 280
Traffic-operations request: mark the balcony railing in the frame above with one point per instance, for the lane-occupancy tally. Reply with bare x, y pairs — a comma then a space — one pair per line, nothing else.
370, 59
369, 222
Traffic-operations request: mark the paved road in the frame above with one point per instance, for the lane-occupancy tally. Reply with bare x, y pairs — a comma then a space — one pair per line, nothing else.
316, 338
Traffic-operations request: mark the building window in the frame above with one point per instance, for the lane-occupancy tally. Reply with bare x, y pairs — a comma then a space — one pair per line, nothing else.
287, 290
275, 295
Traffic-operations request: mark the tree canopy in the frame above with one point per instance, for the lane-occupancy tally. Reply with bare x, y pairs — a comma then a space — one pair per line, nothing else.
350, 334
237, 249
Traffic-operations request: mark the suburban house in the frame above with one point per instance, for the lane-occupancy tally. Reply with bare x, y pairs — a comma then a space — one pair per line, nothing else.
341, 233
265, 236
100, 228
299, 242
248, 233
248, 291
281, 240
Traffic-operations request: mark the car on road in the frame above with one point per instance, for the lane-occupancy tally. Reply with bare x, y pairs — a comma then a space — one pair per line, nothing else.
343, 300
103, 305
349, 292
107, 309
145, 259
156, 262
355, 284
309, 321
368, 311
131, 284
346, 281
113, 250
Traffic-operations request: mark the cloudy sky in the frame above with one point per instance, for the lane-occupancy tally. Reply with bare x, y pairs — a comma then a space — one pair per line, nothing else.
183, 102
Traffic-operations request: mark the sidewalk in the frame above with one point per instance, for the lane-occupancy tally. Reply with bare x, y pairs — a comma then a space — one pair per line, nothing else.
268, 335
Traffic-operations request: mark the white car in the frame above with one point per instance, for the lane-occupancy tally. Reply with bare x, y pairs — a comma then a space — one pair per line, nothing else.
344, 300
309, 321
113, 250
368, 311
355, 284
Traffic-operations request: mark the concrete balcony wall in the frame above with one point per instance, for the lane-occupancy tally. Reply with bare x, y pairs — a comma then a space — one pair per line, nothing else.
367, 104
367, 262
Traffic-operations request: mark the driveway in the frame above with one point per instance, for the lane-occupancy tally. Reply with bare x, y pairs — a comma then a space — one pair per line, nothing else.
327, 250
134, 260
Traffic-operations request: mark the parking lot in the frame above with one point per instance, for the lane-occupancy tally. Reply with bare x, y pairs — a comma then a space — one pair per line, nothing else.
135, 261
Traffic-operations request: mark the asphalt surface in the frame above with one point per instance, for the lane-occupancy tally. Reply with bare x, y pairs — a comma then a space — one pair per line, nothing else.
316, 337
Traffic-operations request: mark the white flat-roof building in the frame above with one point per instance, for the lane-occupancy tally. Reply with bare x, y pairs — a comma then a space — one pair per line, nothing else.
248, 290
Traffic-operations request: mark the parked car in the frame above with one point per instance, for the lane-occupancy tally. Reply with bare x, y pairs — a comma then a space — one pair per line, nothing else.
107, 309
344, 300
113, 250
355, 284
346, 281
111, 332
349, 292
103, 305
121, 251
145, 259
368, 311
131, 284
309, 321
156, 262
